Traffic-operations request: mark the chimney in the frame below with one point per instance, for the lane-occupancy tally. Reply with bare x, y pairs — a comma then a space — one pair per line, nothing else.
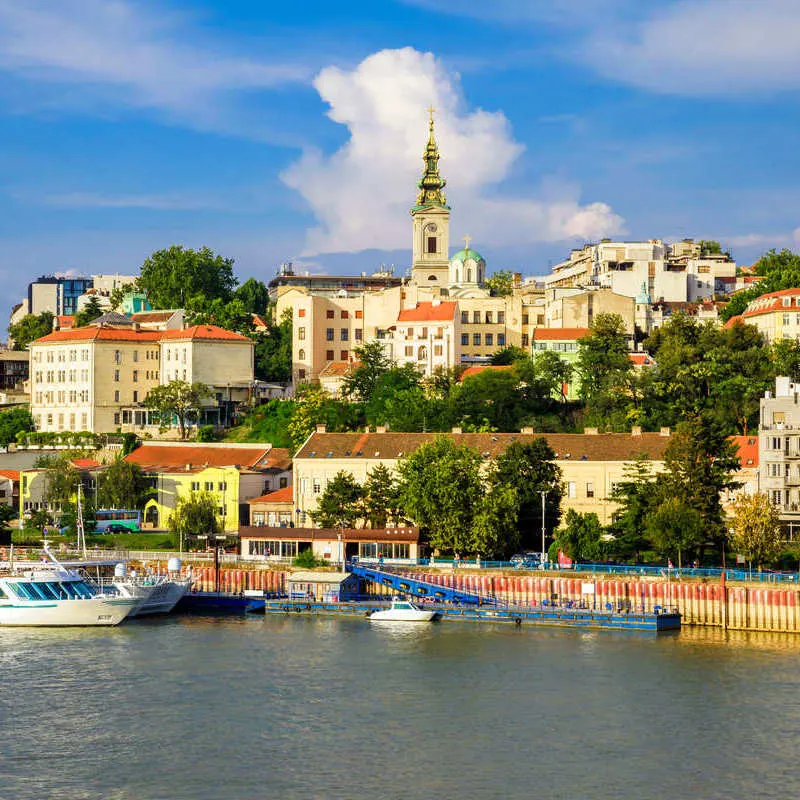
456, 430
636, 430
188, 467
590, 431
380, 429
528, 431
664, 432
321, 428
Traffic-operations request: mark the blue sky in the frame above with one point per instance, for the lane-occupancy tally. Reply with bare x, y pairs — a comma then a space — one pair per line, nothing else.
294, 131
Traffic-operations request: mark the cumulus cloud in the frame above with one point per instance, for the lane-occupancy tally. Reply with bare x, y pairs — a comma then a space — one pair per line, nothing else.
361, 194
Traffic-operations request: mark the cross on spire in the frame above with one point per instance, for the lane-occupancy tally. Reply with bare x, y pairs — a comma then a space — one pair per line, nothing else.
431, 110
467, 240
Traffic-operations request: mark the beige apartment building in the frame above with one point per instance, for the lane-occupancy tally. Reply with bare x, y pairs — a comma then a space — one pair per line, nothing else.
96, 378
776, 315
591, 463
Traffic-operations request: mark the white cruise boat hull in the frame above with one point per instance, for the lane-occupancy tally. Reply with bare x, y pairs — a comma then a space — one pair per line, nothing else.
90, 611
161, 597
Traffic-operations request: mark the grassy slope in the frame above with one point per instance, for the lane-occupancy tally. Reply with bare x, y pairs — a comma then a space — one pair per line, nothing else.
267, 423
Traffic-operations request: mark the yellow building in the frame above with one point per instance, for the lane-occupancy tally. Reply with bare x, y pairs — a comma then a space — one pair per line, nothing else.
591, 463
776, 315
234, 473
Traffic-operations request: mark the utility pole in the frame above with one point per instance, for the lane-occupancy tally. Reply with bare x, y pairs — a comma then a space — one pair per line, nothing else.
543, 492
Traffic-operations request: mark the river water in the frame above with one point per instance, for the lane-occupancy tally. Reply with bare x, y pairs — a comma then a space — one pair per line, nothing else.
239, 708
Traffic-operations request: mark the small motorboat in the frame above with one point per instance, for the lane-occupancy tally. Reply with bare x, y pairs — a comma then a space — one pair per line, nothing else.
402, 611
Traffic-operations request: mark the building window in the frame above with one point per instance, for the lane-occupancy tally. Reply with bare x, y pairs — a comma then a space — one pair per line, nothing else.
489, 339
344, 314
329, 334
301, 374
476, 339
465, 317
116, 396
317, 486
301, 333
501, 317
525, 319
283, 482
116, 375
476, 317
437, 350
589, 489
501, 340
489, 317
464, 339
431, 244
359, 334
222, 486
135, 355
571, 489
117, 357
195, 486
345, 334
209, 486
329, 314
136, 376
329, 355
301, 354
409, 351
343, 355
359, 314
301, 312
136, 397
116, 418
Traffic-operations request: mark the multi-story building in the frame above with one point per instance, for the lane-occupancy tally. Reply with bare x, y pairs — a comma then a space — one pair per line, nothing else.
96, 378
591, 463
13, 368
235, 473
779, 451
575, 307
776, 315
674, 273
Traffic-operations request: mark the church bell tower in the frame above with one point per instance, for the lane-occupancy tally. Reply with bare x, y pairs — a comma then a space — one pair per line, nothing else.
431, 220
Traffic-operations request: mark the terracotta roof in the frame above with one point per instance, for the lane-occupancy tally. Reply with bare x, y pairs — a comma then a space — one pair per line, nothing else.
153, 316
11, 474
335, 369
99, 334
747, 447
171, 458
642, 359
559, 334
65, 320
407, 534
478, 368
572, 446
204, 332
85, 463
737, 320
259, 321
285, 495
428, 312
773, 301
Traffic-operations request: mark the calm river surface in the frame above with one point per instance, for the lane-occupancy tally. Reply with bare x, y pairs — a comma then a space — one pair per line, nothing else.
285, 708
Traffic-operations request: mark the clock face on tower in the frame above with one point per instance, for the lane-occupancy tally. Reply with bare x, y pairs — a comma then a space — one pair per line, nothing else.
431, 227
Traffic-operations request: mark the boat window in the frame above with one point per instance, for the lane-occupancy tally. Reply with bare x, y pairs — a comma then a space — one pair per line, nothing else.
68, 591
33, 590
3, 595
83, 589
18, 591
402, 605
47, 590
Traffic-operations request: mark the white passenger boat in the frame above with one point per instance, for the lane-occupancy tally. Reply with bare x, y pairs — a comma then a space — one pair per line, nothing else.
49, 594
402, 611
156, 594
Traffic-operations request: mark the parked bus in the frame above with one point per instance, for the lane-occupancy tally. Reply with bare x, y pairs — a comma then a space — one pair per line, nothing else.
113, 520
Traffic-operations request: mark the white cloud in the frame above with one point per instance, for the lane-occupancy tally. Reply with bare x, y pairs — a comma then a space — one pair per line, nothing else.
126, 53
361, 194
704, 47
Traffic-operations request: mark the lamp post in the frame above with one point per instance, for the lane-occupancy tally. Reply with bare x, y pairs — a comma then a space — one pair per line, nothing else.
543, 493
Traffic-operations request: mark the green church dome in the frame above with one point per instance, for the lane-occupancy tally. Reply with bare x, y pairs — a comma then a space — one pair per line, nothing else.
464, 255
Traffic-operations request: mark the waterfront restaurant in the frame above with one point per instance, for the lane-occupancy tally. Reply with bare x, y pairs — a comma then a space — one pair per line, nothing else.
329, 587
394, 545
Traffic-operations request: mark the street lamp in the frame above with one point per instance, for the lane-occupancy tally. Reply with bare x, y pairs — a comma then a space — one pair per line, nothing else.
543, 493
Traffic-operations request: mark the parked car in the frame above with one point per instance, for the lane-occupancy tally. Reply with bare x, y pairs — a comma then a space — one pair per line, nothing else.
526, 560
115, 527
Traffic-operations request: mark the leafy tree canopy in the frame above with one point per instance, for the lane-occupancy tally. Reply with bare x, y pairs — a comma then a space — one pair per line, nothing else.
13, 422
755, 529
195, 515
501, 283
339, 506
29, 328
171, 278
91, 311
583, 538
373, 362
179, 400
122, 485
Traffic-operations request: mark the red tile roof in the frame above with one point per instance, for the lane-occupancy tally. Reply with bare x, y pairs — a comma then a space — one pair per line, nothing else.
334, 369
285, 495
428, 312
642, 359
100, 334
175, 458
772, 301
204, 332
747, 447
559, 334
65, 320
85, 463
11, 474
478, 368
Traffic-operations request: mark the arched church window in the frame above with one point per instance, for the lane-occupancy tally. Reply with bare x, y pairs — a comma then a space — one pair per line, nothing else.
422, 354
469, 275
458, 275
431, 277
431, 244
301, 355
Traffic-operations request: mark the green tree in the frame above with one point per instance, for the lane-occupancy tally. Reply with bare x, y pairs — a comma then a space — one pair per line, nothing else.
253, 295
118, 294
551, 375
494, 526
440, 488
195, 515
675, 528
507, 355
273, 348
340, 505
700, 462
231, 315
7, 516
709, 247
756, 529
777, 270
62, 479
501, 283
178, 400
785, 354
634, 495
529, 468
373, 362
171, 277
381, 497
583, 538
122, 485
91, 311
30, 328
13, 422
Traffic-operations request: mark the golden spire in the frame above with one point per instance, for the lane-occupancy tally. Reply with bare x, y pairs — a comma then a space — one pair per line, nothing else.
431, 184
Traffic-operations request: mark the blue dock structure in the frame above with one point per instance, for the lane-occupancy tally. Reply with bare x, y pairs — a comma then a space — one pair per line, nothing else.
413, 587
